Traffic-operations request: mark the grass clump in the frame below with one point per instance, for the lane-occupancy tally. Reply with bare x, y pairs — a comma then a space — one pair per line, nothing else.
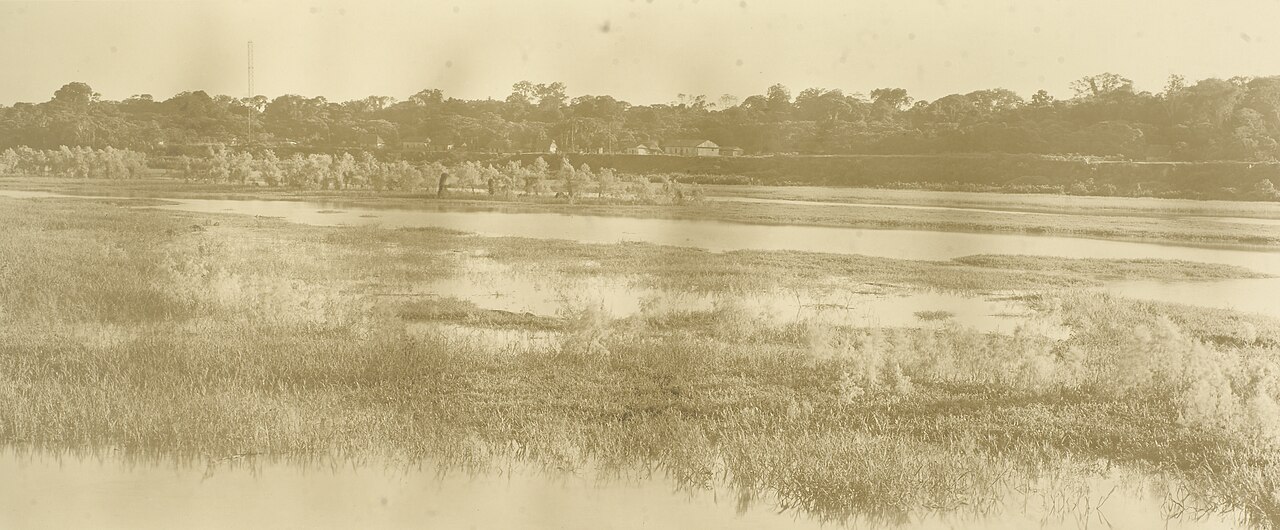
934, 315
451, 309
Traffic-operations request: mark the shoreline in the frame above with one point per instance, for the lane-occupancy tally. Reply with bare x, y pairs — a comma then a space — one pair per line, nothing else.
1144, 227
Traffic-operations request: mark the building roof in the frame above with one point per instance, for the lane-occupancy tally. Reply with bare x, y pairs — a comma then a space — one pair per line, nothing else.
688, 143
731, 147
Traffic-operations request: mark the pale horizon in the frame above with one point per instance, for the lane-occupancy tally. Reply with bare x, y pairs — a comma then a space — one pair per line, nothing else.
640, 51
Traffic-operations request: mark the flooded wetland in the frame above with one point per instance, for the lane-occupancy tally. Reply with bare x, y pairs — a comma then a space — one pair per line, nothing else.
338, 365
639, 265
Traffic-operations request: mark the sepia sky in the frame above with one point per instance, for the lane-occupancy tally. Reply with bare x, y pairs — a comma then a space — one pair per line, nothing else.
643, 51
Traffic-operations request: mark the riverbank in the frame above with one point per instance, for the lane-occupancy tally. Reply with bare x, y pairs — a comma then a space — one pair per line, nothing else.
1145, 220
224, 335
995, 173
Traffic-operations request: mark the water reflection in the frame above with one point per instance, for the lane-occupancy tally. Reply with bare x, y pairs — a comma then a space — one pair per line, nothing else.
974, 209
105, 491
1249, 295
492, 286
798, 202
724, 236
1008, 202
719, 235
1241, 220
1260, 296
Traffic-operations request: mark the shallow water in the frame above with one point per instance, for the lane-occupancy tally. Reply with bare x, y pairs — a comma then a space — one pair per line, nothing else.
717, 235
1260, 296
492, 286
761, 200
1008, 202
1264, 222
1240, 220
107, 492
724, 236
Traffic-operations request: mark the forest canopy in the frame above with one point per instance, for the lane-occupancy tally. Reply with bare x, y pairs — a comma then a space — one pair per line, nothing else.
1212, 119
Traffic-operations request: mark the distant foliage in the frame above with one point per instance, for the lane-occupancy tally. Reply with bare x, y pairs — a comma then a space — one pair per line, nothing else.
509, 181
1212, 119
73, 162
1008, 173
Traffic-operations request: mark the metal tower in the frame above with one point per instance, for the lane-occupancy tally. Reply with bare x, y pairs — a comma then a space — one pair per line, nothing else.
251, 104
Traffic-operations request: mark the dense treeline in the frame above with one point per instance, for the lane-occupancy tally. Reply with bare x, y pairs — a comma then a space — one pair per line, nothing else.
966, 172
1213, 119
508, 180
74, 162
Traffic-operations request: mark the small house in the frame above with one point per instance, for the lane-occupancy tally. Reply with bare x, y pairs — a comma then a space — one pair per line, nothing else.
691, 148
731, 150
416, 144
646, 148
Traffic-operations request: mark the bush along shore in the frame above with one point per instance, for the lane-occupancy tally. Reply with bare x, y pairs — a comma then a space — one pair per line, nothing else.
651, 178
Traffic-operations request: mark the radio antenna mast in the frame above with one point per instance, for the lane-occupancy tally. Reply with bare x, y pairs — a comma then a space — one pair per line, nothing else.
251, 103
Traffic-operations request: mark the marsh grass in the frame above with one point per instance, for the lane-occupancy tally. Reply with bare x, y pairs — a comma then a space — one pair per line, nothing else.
686, 269
451, 309
1111, 269
130, 329
934, 315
